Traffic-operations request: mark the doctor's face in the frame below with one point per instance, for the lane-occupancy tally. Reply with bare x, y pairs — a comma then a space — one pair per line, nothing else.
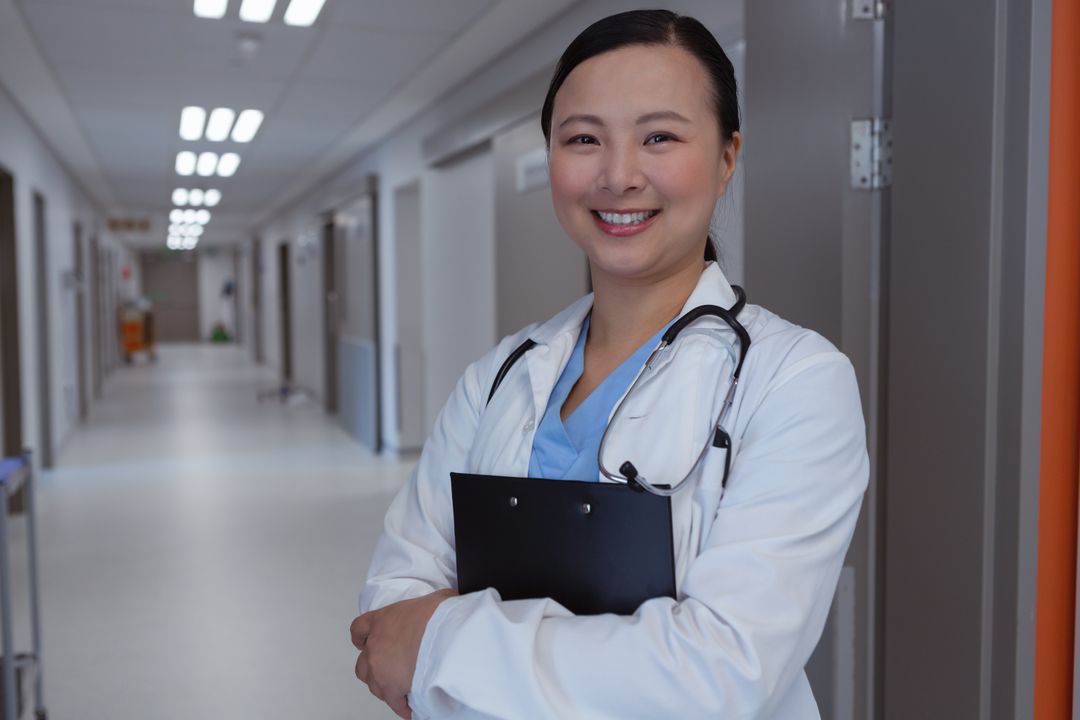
637, 160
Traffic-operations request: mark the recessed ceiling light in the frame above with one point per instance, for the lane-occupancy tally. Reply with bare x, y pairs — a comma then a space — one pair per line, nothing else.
212, 9
195, 197
195, 230
228, 164
175, 242
257, 10
189, 216
185, 162
302, 13
207, 163
179, 196
176, 216
190, 243
192, 119
247, 125
211, 197
202, 216
221, 120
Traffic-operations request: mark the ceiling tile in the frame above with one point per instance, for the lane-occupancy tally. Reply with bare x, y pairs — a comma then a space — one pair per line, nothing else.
446, 15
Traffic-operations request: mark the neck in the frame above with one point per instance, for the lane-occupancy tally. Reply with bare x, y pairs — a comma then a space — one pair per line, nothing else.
627, 312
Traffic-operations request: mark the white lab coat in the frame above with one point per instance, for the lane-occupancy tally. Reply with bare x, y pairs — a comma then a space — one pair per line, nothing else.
756, 564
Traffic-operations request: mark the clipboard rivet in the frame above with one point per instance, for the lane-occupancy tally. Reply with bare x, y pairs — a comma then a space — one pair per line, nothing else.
513, 502
586, 508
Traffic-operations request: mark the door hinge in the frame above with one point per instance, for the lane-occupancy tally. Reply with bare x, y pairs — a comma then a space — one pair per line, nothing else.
871, 154
868, 9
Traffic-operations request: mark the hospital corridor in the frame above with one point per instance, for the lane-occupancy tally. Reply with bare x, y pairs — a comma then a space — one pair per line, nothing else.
539, 359
199, 548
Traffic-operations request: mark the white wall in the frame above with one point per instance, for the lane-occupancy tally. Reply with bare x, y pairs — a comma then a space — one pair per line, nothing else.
397, 161
216, 265
35, 168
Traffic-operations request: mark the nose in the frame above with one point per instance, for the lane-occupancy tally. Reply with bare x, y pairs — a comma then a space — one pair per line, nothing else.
621, 172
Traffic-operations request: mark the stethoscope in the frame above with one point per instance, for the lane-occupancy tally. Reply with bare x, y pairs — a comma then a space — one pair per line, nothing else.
721, 439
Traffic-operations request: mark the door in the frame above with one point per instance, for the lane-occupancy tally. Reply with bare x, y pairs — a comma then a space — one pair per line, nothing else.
256, 299
285, 310
330, 314
10, 363
357, 316
80, 321
810, 72
409, 354
45, 359
97, 342
171, 283
538, 269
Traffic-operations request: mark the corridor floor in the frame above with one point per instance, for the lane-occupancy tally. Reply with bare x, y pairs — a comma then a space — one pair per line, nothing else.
201, 551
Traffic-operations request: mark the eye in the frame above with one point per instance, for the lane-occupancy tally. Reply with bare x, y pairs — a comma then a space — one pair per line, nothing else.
657, 138
582, 140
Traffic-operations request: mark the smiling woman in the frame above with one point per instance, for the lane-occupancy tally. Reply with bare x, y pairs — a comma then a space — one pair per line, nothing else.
763, 451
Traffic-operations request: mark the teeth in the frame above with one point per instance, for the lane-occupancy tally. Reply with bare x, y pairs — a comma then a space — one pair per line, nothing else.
625, 218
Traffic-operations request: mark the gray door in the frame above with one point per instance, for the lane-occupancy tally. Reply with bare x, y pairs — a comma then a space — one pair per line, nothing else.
357, 315
812, 68
41, 262
331, 288
171, 283
408, 354
10, 364
80, 320
538, 269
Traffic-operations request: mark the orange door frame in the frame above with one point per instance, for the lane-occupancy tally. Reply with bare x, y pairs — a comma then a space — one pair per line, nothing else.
1060, 461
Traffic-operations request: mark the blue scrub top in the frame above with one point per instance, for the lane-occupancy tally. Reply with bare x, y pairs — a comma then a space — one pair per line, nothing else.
567, 450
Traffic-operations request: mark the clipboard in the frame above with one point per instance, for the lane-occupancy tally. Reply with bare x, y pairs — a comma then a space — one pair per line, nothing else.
592, 547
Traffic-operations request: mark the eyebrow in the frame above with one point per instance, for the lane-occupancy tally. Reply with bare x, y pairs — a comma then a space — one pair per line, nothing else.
646, 118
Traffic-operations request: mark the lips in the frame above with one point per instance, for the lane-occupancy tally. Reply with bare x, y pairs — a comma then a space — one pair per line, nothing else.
621, 223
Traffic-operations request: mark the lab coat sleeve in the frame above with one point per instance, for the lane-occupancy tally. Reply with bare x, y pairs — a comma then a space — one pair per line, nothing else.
415, 554
751, 607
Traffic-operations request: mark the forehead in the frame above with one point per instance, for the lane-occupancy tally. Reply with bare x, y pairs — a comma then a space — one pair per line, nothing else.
634, 80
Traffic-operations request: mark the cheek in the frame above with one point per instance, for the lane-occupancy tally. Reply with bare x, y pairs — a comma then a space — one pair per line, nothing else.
570, 182
690, 180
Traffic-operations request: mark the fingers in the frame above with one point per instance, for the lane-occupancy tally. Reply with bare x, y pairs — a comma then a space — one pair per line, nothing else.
359, 630
401, 707
363, 669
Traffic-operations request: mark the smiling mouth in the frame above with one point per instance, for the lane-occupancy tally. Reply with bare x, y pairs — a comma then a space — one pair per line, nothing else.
630, 218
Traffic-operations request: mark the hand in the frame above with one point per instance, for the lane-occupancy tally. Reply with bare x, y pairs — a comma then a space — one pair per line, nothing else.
389, 641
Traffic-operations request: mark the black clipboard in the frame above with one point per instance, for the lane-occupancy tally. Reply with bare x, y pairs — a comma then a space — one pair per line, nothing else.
593, 547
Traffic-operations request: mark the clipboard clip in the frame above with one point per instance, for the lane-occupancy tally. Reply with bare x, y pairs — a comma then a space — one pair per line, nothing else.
630, 473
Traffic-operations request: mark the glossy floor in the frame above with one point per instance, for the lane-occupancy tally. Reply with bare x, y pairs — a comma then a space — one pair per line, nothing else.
202, 551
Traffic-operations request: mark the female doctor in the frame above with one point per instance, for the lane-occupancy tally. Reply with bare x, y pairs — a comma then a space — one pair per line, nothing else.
642, 125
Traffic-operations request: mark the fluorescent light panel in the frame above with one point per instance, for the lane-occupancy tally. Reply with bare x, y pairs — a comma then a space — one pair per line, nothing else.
228, 164
247, 125
211, 197
302, 13
192, 119
221, 120
202, 216
213, 9
258, 11
179, 196
195, 197
207, 164
185, 162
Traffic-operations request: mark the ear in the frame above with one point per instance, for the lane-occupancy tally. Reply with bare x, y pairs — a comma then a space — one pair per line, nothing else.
729, 159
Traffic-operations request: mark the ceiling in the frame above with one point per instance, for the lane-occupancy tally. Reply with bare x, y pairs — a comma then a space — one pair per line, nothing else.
125, 68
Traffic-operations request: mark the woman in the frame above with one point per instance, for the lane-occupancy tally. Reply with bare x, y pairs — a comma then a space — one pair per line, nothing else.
642, 125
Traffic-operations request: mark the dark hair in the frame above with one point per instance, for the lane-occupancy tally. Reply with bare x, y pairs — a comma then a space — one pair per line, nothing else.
653, 27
